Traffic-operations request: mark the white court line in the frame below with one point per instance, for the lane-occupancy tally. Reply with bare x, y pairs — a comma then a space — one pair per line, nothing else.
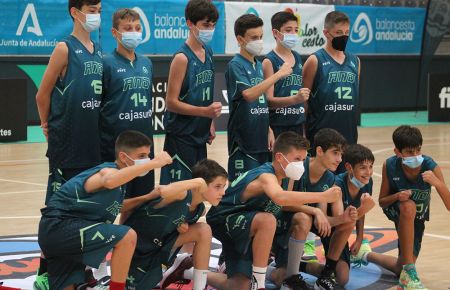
442, 237
23, 182
22, 160
20, 217
19, 192
392, 148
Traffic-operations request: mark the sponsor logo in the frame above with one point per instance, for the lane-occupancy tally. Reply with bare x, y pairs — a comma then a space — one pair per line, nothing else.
445, 98
121, 70
362, 31
145, 24
35, 28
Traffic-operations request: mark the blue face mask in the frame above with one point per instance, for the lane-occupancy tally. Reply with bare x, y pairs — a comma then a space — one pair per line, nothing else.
92, 23
290, 40
204, 35
131, 40
413, 161
356, 182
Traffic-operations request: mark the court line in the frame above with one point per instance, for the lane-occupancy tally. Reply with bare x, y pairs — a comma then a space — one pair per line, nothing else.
18, 192
22, 160
392, 148
20, 217
443, 237
23, 182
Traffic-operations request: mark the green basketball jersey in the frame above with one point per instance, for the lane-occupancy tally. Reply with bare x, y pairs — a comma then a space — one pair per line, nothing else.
289, 86
72, 200
197, 89
341, 181
334, 96
73, 135
421, 191
127, 99
248, 124
231, 203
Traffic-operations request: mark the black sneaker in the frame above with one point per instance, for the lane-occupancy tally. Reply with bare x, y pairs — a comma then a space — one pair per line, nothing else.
325, 283
295, 282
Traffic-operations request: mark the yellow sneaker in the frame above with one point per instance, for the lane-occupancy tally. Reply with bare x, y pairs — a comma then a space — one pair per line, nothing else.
309, 252
361, 258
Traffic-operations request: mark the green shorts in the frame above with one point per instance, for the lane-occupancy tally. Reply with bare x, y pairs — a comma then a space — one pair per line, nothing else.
184, 157
240, 162
234, 233
70, 244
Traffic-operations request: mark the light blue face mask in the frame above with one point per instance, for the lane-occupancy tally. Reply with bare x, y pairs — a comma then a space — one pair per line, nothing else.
290, 40
92, 23
356, 182
413, 161
131, 40
205, 35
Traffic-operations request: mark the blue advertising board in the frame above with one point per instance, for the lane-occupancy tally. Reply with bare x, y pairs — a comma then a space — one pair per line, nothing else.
384, 30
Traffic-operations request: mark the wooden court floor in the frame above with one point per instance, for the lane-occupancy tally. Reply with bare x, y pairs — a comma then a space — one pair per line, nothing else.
24, 171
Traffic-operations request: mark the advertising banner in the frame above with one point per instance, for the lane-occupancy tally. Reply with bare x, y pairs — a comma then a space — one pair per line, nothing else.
311, 18
384, 30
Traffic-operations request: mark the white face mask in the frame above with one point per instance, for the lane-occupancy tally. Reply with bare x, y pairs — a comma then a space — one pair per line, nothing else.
92, 23
139, 161
294, 170
255, 47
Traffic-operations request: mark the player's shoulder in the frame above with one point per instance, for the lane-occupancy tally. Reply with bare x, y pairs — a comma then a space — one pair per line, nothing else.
340, 179
180, 57
429, 162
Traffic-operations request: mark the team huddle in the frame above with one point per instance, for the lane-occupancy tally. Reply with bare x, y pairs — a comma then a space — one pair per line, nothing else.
295, 169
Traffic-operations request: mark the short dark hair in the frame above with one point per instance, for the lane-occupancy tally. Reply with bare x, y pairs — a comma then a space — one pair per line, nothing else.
79, 3
209, 170
288, 140
246, 22
328, 138
197, 10
357, 153
124, 13
130, 140
335, 17
406, 136
282, 17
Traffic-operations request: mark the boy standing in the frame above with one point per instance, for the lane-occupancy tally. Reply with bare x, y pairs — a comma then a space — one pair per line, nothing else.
190, 106
286, 97
68, 102
405, 198
249, 136
76, 226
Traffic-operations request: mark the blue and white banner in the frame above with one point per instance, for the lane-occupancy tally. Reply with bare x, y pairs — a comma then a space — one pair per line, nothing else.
164, 25
384, 30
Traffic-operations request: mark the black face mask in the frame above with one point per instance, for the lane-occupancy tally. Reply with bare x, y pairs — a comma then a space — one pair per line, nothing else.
339, 42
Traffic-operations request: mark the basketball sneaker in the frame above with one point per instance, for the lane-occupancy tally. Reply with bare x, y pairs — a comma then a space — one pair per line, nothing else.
325, 282
175, 273
295, 282
409, 280
41, 282
361, 258
309, 252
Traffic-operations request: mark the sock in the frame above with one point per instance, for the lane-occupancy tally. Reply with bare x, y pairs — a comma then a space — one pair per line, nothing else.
364, 257
260, 276
303, 267
408, 267
102, 270
330, 267
189, 274
311, 236
295, 249
116, 285
42, 266
200, 279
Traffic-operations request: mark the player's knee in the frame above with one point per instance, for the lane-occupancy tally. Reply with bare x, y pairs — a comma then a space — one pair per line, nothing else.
129, 240
342, 279
265, 221
408, 208
346, 227
204, 231
301, 221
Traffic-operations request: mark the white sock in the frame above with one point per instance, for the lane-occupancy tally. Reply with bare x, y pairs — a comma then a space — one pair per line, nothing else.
364, 257
200, 279
295, 248
102, 271
260, 276
311, 236
189, 274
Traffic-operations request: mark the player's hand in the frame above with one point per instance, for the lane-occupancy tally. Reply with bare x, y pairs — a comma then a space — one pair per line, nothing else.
212, 133
284, 70
44, 127
163, 158
367, 202
271, 139
404, 195
183, 228
429, 177
302, 95
332, 194
354, 248
155, 193
322, 224
350, 214
214, 110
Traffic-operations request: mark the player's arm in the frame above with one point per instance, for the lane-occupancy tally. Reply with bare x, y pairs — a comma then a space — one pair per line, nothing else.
56, 66
436, 179
177, 72
359, 67
281, 101
309, 71
112, 178
386, 198
130, 204
253, 93
354, 248
178, 190
294, 198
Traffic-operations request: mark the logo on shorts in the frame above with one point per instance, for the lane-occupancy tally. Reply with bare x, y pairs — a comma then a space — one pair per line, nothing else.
157, 242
